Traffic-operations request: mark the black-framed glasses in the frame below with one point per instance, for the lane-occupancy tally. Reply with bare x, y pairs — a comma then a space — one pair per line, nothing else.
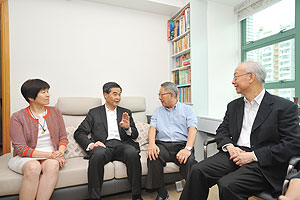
235, 77
160, 95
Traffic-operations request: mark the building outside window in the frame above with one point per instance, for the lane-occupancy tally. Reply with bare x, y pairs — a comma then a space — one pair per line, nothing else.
271, 37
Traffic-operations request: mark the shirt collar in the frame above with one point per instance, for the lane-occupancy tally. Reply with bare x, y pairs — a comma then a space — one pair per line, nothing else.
108, 110
258, 99
174, 108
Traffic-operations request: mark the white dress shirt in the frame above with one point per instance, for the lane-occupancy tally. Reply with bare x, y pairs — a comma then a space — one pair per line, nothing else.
112, 125
250, 112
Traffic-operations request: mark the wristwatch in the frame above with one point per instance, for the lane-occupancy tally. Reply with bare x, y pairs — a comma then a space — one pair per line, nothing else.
189, 148
254, 158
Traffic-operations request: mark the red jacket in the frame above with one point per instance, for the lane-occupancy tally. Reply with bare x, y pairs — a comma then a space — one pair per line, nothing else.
24, 130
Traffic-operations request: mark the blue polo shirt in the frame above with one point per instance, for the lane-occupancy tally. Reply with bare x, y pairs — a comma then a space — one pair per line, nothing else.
172, 125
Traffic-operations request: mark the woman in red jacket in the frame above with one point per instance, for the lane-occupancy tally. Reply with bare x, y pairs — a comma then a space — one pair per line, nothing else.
39, 141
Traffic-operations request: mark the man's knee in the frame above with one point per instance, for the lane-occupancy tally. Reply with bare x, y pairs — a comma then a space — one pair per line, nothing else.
197, 170
225, 182
132, 153
155, 162
99, 153
190, 162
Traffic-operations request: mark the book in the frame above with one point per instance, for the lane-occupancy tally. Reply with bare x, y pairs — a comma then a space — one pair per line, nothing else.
170, 30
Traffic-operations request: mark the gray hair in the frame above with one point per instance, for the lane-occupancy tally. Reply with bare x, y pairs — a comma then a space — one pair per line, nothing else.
170, 87
255, 68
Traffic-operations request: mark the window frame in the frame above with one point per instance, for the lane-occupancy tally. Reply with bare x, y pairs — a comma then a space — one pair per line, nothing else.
273, 39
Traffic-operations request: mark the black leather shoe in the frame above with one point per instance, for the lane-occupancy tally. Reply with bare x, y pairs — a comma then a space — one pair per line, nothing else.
160, 198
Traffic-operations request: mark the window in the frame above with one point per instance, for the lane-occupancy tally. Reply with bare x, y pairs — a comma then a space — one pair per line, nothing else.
271, 37
270, 21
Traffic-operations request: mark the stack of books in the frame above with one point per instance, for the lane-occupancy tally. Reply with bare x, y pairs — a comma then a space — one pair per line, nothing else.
179, 24
181, 44
183, 60
182, 77
184, 94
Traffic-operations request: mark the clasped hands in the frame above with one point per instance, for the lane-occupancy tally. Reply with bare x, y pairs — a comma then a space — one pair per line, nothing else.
59, 156
153, 151
239, 156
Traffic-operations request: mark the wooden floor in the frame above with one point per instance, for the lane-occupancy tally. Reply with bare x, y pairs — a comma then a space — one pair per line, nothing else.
213, 194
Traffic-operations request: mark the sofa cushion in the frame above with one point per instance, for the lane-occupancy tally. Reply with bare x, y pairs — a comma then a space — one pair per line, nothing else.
70, 105
73, 148
10, 181
143, 129
75, 172
137, 105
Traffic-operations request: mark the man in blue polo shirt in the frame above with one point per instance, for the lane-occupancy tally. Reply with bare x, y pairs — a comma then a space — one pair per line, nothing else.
171, 138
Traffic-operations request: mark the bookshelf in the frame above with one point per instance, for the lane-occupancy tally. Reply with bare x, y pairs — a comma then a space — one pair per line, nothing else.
179, 37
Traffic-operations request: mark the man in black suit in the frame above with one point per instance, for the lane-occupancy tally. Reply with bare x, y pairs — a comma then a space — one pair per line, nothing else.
112, 130
258, 136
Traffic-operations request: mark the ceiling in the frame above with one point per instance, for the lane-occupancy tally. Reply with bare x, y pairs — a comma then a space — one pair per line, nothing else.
229, 2
165, 7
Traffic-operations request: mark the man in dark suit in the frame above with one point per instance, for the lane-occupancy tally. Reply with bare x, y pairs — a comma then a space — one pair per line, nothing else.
112, 130
258, 136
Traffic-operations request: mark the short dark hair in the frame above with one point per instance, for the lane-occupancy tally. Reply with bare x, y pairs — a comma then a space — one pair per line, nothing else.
32, 87
107, 87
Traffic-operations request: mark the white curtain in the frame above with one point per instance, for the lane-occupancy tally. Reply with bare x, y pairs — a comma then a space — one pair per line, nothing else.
250, 7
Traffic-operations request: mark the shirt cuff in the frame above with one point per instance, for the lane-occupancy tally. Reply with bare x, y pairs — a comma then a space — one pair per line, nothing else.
224, 147
254, 157
88, 147
128, 131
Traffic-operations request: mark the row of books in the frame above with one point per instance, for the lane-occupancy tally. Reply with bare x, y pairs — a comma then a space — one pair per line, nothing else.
184, 94
182, 44
181, 77
183, 60
179, 24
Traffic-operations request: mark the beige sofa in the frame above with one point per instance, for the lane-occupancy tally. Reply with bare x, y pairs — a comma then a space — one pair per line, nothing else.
72, 182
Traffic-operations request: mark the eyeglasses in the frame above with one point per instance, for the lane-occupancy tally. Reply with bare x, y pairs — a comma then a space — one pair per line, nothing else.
160, 95
235, 77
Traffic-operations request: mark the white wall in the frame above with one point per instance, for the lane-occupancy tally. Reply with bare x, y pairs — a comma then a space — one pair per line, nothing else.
223, 56
77, 46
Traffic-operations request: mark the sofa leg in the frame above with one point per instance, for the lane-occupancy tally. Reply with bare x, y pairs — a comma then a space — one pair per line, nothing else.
179, 187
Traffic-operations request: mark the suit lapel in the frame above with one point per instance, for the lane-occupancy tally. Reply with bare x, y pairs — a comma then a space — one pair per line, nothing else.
240, 115
119, 118
119, 115
103, 117
263, 111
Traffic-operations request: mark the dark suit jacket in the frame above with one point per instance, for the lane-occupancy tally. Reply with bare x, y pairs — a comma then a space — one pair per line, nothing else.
275, 135
96, 124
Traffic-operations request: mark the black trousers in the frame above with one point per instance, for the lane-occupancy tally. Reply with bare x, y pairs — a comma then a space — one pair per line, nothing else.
115, 150
168, 151
234, 182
